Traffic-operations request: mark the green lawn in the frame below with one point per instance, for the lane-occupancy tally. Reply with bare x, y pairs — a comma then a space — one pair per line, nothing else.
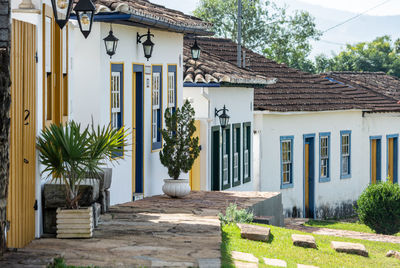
358, 227
281, 247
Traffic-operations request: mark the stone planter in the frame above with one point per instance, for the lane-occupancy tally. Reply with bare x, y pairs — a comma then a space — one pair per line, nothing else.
176, 188
75, 223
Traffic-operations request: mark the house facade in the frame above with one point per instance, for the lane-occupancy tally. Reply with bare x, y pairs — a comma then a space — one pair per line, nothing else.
318, 140
225, 161
59, 76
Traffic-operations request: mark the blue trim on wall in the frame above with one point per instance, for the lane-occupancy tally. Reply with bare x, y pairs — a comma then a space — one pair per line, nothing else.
325, 134
158, 144
188, 84
378, 156
345, 176
308, 136
395, 156
287, 185
139, 180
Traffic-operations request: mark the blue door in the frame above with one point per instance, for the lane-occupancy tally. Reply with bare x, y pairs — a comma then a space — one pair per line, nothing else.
309, 177
137, 129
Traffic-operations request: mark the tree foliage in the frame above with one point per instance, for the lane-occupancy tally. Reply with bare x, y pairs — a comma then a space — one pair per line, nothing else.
266, 28
380, 55
180, 147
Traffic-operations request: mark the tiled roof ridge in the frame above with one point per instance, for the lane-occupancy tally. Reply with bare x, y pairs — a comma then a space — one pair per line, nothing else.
356, 72
124, 6
352, 84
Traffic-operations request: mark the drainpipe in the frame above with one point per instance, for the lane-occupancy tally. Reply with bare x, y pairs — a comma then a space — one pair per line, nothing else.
209, 120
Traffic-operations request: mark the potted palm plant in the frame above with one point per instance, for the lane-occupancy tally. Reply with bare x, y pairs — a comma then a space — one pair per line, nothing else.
180, 149
68, 153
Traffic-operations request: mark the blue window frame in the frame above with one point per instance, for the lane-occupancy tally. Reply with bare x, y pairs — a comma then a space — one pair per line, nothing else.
286, 144
171, 90
345, 154
324, 156
156, 107
392, 139
117, 97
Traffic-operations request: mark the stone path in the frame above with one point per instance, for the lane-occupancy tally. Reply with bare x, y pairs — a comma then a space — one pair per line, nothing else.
297, 224
155, 231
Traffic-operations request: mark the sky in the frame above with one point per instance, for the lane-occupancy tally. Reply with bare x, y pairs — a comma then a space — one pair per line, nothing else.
391, 7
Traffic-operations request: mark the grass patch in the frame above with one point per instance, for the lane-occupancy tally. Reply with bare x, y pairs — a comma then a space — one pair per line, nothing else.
281, 247
358, 227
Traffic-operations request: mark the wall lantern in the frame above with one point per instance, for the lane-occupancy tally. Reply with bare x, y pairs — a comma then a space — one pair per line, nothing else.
62, 11
195, 50
111, 43
147, 45
223, 117
84, 11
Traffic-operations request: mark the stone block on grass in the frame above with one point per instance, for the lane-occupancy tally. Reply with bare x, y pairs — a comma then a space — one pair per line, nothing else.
392, 253
350, 248
241, 256
305, 241
254, 232
306, 266
275, 262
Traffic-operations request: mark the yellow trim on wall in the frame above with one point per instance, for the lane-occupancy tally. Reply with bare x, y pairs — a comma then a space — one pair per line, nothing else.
123, 99
134, 126
161, 106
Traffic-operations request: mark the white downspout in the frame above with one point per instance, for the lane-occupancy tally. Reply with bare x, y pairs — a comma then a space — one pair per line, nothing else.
208, 148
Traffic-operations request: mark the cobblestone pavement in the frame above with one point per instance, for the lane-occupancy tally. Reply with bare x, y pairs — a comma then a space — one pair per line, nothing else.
156, 231
298, 224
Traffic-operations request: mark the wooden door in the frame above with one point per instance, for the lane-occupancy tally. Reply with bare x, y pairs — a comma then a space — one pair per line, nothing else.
373, 161
21, 196
195, 171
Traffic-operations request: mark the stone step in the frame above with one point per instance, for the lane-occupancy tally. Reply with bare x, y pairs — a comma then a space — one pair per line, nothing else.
74, 221
305, 241
254, 232
241, 256
350, 248
75, 235
75, 230
275, 262
75, 226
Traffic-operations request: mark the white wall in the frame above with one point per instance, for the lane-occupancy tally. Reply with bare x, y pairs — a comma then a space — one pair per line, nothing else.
239, 102
90, 93
337, 191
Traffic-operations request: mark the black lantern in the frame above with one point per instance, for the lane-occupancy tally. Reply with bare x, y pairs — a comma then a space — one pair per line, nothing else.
62, 11
195, 50
223, 117
111, 43
84, 11
147, 45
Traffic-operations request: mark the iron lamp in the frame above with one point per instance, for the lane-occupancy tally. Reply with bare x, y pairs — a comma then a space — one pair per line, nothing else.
111, 43
84, 11
148, 45
223, 117
195, 50
62, 11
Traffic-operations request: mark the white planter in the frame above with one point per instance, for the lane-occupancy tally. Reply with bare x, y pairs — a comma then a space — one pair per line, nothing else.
176, 188
75, 223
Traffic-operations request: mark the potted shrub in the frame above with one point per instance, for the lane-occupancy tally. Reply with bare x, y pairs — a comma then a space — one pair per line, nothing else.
180, 149
68, 153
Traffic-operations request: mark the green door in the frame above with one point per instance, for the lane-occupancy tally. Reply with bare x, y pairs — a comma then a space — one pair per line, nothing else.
215, 158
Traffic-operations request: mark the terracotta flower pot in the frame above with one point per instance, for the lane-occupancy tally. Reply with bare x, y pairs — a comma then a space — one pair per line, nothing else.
75, 223
176, 188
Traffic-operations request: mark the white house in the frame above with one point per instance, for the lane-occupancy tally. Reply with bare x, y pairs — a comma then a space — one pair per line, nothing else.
58, 75
211, 84
317, 140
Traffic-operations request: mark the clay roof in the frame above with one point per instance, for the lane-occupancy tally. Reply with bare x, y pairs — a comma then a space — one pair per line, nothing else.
211, 69
295, 90
378, 82
146, 13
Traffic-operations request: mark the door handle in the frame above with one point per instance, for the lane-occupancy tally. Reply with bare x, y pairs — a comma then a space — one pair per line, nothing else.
27, 114
26, 161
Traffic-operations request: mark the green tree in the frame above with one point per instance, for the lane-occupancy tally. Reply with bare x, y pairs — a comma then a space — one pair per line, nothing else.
266, 28
380, 55
180, 147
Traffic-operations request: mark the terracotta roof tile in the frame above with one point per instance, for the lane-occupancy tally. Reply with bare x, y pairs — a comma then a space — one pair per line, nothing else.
212, 69
296, 90
147, 10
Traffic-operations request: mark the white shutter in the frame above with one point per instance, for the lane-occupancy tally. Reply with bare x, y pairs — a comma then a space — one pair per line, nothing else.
64, 50
115, 98
235, 166
48, 45
171, 89
246, 163
155, 104
225, 169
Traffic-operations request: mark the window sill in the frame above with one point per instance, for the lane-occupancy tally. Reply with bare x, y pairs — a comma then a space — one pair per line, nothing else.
343, 177
324, 180
226, 186
287, 186
246, 180
237, 183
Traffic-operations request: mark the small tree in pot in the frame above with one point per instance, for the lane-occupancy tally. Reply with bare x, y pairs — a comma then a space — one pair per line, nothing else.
180, 148
69, 153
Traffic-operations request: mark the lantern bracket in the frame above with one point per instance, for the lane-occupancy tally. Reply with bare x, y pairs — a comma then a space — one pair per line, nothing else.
139, 37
